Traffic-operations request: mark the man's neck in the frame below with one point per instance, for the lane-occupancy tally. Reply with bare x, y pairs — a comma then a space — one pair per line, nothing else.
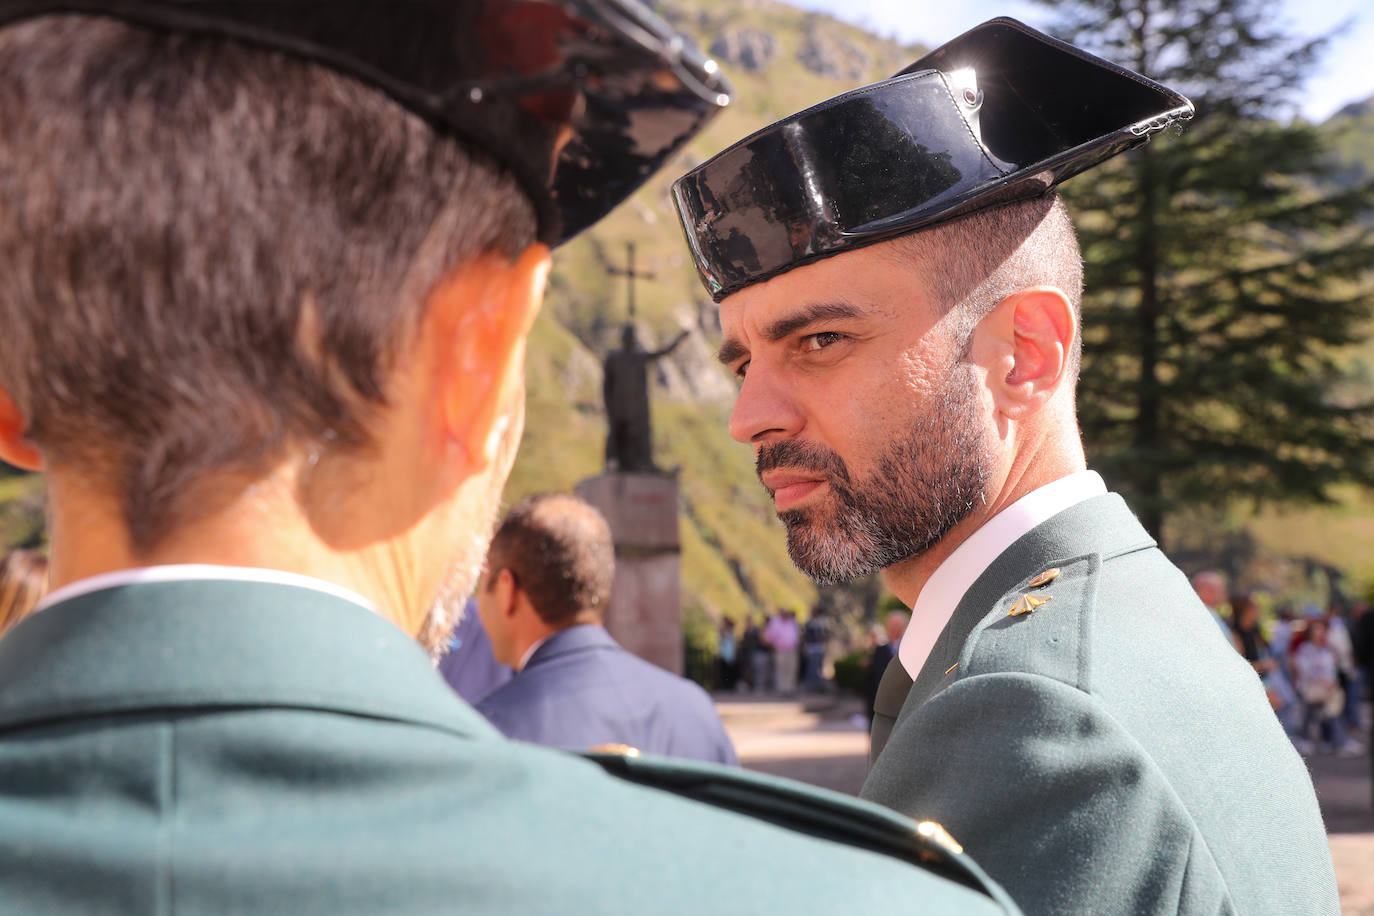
259, 529
907, 578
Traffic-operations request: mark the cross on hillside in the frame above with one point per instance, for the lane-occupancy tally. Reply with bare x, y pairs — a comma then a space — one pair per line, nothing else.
630, 274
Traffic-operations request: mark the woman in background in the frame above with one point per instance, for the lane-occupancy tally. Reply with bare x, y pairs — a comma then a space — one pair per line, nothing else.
23, 582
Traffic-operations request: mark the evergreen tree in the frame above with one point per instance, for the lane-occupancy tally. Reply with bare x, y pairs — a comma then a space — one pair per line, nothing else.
1227, 284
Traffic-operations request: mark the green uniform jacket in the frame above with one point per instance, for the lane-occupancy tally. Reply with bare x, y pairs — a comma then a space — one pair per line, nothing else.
1109, 752
236, 747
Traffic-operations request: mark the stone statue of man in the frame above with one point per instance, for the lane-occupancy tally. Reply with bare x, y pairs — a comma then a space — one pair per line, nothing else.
629, 442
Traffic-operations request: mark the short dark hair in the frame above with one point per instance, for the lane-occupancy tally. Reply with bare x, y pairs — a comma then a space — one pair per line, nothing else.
213, 253
560, 552
976, 261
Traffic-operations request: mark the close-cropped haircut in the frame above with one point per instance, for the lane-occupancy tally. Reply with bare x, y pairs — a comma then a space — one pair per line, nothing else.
214, 253
559, 551
976, 261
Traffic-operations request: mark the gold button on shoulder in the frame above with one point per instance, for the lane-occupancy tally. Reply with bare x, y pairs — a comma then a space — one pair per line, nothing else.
939, 836
1044, 578
624, 750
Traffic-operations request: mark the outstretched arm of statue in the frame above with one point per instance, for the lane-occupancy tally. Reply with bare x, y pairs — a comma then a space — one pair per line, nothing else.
671, 347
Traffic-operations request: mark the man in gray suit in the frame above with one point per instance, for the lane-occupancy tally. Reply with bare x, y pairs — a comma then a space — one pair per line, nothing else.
907, 333
543, 600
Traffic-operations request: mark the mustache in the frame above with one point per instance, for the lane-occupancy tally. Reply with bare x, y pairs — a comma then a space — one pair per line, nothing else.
803, 456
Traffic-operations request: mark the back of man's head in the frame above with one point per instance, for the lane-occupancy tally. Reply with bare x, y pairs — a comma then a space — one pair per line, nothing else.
214, 253
560, 553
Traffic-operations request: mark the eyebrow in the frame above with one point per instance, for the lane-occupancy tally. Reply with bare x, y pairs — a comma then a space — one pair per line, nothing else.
731, 349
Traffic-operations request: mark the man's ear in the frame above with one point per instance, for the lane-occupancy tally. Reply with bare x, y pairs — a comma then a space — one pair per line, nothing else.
481, 316
506, 591
14, 448
1036, 330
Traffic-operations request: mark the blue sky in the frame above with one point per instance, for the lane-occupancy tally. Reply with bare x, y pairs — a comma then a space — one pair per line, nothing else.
1346, 74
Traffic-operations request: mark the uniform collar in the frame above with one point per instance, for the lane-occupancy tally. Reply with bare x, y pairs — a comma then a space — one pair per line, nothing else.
184, 572
198, 644
946, 586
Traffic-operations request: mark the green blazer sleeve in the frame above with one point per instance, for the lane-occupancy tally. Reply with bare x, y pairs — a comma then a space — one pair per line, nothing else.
1094, 830
1108, 752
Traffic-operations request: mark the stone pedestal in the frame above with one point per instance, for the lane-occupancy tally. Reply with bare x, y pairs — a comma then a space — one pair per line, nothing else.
645, 613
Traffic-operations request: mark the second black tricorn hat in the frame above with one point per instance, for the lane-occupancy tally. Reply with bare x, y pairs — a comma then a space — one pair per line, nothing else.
1001, 113
581, 99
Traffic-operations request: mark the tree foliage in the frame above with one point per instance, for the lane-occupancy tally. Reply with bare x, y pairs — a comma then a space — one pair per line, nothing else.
1227, 280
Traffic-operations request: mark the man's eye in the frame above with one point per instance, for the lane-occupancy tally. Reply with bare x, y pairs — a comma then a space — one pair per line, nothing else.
742, 368
820, 341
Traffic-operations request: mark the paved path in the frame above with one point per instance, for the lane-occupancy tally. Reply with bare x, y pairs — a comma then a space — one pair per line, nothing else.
814, 740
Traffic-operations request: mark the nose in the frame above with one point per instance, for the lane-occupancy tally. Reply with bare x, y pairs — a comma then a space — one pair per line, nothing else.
765, 410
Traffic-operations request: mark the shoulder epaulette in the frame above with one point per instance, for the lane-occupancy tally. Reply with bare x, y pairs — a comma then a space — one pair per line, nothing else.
1039, 626
806, 809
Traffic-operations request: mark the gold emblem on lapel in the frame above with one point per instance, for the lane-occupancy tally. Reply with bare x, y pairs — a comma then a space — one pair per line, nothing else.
939, 836
1044, 578
1026, 604
951, 667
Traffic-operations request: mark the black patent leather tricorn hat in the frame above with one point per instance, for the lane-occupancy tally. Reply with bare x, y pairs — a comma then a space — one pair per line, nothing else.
582, 99
1001, 113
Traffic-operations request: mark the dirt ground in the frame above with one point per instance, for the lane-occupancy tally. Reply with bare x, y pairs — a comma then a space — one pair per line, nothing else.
818, 740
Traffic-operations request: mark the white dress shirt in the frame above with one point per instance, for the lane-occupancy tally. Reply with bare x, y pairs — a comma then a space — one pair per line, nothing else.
946, 586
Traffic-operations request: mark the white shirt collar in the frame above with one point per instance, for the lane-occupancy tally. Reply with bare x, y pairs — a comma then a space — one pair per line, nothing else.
190, 572
946, 586
529, 653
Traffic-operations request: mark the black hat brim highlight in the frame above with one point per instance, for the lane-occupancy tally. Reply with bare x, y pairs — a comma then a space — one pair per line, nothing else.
582, 100
999, 114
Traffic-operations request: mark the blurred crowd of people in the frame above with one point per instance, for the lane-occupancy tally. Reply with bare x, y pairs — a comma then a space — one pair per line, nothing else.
1316, 663
772, 654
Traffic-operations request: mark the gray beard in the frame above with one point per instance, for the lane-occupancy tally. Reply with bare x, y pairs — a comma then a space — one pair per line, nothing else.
929, 480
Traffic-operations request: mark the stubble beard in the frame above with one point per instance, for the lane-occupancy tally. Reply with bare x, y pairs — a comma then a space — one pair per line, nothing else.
470, 549
929, 479
448, 608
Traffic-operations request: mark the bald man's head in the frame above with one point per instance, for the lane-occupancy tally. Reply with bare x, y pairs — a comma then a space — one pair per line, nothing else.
895, 624
1210, 586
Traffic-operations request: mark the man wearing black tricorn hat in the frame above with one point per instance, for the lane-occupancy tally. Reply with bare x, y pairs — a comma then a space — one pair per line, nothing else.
899, 290
269, 270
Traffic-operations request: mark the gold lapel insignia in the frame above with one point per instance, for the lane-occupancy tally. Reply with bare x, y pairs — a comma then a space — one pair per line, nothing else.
951, 667
621, 750
1026, 604
1045, 577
